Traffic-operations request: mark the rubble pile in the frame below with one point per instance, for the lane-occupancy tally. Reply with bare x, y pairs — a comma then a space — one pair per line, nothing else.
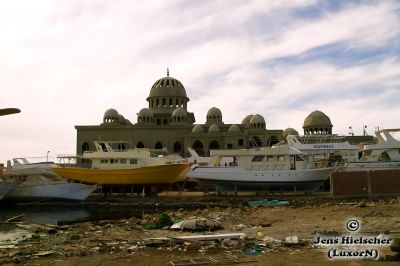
233, 232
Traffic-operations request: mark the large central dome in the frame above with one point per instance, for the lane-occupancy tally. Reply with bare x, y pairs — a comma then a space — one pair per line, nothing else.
167, 87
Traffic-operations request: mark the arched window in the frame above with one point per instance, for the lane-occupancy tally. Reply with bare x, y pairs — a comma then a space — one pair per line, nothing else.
214, 145
255, 141
158, 145
85, 147
198, 147
177, 147
140, 145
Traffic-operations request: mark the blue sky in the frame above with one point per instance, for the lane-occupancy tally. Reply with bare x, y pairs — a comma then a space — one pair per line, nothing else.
64, 63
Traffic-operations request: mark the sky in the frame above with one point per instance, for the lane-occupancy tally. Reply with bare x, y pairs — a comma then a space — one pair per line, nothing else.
65, 62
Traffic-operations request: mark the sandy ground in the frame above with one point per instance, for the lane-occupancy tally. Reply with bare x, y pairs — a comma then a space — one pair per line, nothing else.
122, 241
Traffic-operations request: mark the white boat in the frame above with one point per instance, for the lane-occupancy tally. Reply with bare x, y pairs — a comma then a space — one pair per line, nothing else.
36, 181
281, 168
384, 155
195, 158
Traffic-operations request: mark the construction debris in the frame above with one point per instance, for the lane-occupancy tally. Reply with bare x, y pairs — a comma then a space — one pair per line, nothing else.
214, 260
197, 224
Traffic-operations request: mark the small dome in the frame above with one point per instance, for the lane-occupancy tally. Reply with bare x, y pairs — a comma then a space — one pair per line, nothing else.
111, 113
257, 121
213, 113
198, 129
246, 121
145, 112
179, 112
179, 115
145, 116
213, 129
317, 119
234, 128
214, 116
289, 131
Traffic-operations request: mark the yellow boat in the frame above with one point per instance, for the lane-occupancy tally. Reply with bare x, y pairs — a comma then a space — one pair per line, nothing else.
107, 166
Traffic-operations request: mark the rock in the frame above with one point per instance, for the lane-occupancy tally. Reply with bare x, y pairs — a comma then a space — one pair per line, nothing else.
292, 240
132, 249
95, 250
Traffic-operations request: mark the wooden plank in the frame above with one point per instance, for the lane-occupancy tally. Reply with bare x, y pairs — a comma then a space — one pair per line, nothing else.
198, 237
214, 260
12, 219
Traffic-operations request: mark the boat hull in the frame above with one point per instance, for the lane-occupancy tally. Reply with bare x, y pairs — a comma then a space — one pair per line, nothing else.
237, 179
159, 174
65, 191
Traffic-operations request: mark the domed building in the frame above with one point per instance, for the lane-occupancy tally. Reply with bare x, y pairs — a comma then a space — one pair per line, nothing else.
167, 123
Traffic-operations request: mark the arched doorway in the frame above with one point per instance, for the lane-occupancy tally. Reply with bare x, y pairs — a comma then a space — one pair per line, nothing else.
177, 147
198, 147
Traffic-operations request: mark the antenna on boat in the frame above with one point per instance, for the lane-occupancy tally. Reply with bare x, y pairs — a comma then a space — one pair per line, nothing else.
365, 130
351, 131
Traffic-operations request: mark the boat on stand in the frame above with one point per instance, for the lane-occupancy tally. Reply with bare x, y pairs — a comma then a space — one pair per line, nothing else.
112, 164
36, 181
279, 168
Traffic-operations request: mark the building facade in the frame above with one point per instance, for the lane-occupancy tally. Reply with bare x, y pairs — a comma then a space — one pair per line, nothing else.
167, 123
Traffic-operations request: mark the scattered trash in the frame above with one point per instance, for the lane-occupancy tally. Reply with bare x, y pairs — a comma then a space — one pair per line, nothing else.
260, 235
44, 253
154, 240
266, 202
36, 228
254, 250
198, 224
213, 260
292, 240
164, 221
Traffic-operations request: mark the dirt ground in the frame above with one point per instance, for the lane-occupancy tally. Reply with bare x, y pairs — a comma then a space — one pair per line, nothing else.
268, 230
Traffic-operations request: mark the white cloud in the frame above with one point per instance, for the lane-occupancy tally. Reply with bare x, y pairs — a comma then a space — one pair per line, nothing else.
64, 63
